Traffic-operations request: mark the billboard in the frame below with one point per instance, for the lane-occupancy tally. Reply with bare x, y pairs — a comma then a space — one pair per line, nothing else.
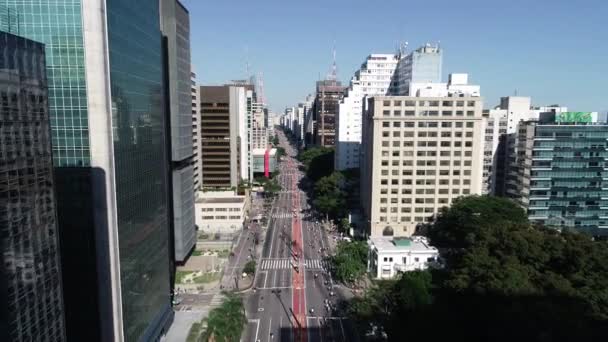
575, 117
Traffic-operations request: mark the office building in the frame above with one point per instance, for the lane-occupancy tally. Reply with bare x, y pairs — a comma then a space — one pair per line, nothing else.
327, 98
221, 158
175, 26
30, 275
419, 154
221, 212
106, 99
260, 138
422, 65
500, 132
373, 78
559, 171
196, 131
389, 256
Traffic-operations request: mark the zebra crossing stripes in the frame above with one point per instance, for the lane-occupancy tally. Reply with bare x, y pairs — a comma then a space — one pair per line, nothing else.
282, 215
279, 264
316, 264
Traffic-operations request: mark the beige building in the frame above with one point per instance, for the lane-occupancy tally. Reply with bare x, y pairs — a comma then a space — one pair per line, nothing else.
220, 211
419, 153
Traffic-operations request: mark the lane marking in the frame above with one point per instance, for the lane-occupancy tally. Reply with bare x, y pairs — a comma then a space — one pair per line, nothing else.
269, 327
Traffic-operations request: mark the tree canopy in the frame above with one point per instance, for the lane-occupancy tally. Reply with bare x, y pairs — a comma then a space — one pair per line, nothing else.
350, 261
503, 280
225, 323
318, 162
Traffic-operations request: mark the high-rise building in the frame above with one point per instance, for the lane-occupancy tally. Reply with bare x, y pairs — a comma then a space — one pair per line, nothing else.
196, 131
175, 26
422, 65
105, 82
373, 78
30, 272
327, 98
419, 154
222, 108
500, 132
559, 171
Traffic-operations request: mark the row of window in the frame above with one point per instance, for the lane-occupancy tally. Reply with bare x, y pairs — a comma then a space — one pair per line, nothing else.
220, 209
430, 191
425, 103
428, 124
411, 154
221, 217
427, 163
424, 134
385, 143
428, 113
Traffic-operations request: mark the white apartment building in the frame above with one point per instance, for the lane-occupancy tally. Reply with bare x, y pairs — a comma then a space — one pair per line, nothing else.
220, 211
500, 130
422, 65
259, 138
373, 78
390, 255
419, 154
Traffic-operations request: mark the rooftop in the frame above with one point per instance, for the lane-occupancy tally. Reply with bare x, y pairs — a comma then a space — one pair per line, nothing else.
398, 244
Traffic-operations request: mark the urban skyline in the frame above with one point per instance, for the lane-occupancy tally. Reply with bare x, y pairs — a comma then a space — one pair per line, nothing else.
521, 48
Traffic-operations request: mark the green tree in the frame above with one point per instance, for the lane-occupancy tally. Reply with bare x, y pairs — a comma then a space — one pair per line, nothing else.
344, 225
350, 261
249, 268
225, 323
317, 161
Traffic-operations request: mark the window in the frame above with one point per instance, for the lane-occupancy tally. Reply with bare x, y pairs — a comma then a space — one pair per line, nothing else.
446, 124
396, 124
448, 103
397, 103
446, 113
458, 124
445, 144
397, 113
410, 103
471, 103
386, 103
386, 124
459, 103
385, 134
470, 124
386, 112
470, 113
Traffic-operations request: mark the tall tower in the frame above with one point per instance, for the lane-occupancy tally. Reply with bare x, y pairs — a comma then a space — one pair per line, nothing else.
108, 127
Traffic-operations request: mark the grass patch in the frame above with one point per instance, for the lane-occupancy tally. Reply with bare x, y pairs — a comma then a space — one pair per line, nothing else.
180, 275
197, 253
223, 253
206, 278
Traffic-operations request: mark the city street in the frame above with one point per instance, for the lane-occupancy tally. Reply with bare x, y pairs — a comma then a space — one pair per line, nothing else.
293, 294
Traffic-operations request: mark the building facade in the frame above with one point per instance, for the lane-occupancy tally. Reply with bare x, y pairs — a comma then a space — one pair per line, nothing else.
560, 171
389, 256
422, 65
220, 212
220, 142
196, 132
175, 26
327, 98
419, 154
106, 98
32, 299
373, 78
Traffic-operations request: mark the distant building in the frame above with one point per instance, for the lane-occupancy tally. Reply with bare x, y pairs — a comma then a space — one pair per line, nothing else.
326, 105
221, 108
559, 171
419, 154
259, 161
501, 128
373, 78
388, 256
260, 138
423, 65
220, 212
30, 275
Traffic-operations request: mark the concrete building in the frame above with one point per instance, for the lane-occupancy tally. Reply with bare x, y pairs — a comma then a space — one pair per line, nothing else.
422, 65
373, 78
500, 131
419, 154
328, 95
196, 132
259, 138
175, 26
30, 276
559, 171
259, 156
221, 145
388, 256
220, 212
108, 125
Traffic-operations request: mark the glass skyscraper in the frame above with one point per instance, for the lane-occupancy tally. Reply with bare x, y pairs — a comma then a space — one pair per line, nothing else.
104, 65
561, 173
31, 305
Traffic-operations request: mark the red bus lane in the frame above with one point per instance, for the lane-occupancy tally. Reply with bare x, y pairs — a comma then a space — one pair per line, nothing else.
298, 293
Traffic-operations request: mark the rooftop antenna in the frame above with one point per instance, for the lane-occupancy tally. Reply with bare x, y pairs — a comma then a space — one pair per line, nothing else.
515, 93
438, 44
247, 66
333, 75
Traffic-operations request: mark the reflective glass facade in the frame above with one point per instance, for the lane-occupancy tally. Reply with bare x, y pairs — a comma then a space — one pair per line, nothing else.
58, 24
569, 176
141, 164
31, 305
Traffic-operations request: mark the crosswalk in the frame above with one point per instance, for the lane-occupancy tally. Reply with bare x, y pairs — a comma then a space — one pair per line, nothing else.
278, 264
282, 215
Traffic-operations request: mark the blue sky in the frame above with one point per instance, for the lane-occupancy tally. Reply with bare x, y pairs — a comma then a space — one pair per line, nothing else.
555, 51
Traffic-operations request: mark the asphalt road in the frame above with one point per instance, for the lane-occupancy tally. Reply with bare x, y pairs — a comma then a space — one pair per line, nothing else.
293, 286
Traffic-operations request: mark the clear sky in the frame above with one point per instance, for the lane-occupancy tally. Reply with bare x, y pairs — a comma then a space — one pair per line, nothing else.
555, 51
